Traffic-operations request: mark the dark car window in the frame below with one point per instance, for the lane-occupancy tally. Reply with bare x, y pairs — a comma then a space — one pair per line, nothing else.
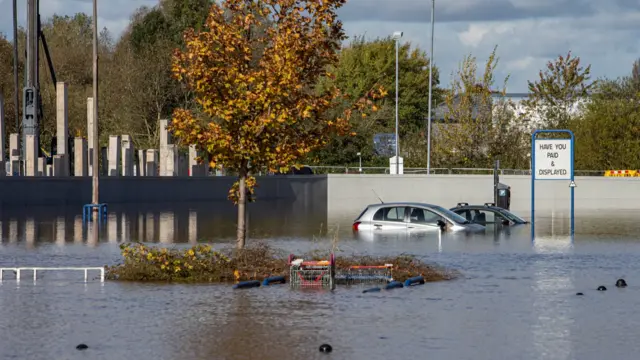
390, 214
423, 216
486, 217
464, 213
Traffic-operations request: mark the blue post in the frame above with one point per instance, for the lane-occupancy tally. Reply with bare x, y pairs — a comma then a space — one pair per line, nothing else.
533, 185
86, 212
572, 187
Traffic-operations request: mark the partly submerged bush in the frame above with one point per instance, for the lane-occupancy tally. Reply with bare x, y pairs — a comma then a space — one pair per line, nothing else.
203, 264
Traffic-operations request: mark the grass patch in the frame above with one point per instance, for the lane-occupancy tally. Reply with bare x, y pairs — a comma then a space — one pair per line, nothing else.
202, 264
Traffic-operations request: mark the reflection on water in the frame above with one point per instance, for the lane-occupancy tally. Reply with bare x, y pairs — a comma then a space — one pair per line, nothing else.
156, 224
553, 320
515, 300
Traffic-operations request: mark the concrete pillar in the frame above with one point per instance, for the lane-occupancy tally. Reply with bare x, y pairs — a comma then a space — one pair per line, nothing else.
196, 169
60, 163
127, 156
167, 227
62, 128
62, 118
125, 227
42, 166
151, 166
169, 159
80, 163
61, 231
31, 155
165, 136
3, 144
104, 156
168, 152
112, 227
193, 227
48, 170
30, 230
14, 154
141, 230
78, 232
150, 227
13, 231
115, 153
141, 162
90, 135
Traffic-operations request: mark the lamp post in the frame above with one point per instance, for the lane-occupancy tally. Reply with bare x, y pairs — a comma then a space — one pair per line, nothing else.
359, 161
396, 36
433, 10
94, 130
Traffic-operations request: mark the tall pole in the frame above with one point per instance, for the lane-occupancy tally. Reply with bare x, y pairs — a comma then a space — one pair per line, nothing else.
433, 10
397, 140
96, 149
16, 95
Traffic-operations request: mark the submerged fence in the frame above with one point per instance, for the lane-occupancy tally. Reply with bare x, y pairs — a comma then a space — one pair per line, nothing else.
18, 270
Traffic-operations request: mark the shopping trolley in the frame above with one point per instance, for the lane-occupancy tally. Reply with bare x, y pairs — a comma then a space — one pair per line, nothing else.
312, 274
365, 275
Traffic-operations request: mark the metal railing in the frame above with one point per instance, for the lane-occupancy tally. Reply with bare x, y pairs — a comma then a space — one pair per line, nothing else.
435, 171
18, 270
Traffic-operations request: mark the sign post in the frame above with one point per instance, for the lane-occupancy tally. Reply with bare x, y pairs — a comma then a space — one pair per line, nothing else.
552, 159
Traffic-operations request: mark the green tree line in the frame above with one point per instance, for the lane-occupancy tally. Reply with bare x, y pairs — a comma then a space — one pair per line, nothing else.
473, 122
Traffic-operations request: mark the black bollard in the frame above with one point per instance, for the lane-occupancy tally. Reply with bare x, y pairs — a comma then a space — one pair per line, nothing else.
621, 283
82, 347
602, 288
325, 348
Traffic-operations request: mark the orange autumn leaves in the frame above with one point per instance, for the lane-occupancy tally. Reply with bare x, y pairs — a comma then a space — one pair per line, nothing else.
254, 71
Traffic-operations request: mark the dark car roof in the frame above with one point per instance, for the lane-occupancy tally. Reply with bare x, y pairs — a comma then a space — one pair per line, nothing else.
474, 206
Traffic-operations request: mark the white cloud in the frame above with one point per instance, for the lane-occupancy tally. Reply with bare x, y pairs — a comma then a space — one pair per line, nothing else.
474, 35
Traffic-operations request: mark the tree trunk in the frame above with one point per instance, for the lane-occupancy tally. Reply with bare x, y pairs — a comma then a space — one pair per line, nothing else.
241, 232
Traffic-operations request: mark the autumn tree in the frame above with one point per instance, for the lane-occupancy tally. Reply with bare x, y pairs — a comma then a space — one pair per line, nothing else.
476, 123
555, 96
256, 86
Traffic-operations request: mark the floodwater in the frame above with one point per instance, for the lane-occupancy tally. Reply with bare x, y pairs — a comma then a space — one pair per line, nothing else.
516, 298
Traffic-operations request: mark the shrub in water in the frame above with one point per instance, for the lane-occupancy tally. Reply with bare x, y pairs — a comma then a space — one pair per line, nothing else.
203, 264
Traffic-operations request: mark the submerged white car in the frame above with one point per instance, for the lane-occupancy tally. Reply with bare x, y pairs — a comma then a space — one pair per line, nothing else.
404, 216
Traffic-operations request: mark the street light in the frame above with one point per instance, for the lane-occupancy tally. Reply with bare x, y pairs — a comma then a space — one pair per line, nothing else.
359, 161
396, 36
433, 10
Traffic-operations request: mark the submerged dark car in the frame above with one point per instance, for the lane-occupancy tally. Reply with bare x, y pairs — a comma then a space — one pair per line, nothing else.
487, 214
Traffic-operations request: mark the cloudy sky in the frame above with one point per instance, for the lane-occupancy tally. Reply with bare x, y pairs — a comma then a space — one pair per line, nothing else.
528, 33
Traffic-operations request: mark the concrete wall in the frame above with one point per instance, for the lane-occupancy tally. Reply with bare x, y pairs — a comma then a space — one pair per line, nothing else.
338, 196
299, 191
349, 194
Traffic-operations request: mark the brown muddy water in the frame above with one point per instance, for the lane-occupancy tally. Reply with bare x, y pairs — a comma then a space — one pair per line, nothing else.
516, 298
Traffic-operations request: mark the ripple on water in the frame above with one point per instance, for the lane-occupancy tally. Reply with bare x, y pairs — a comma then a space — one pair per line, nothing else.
514, 300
